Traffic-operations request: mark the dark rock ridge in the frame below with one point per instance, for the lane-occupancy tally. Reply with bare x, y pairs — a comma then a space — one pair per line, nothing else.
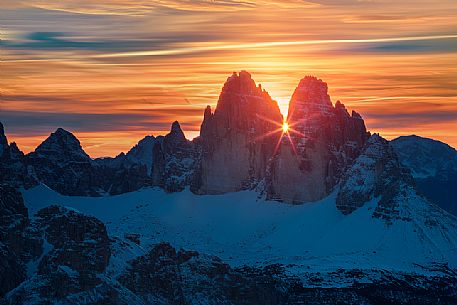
61, 163
378, 178
140, 154
167, 276
74, 252
323, 140
375, 173
238, 138
433, 165
174, 160
13, 170
15, 246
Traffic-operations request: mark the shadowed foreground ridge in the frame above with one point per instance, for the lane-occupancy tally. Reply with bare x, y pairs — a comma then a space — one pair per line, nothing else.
357, 231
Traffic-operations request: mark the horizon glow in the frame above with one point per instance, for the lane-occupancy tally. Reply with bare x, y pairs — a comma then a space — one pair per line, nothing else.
114, 71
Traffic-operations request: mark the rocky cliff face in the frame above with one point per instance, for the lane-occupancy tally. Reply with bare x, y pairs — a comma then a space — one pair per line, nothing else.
376, 172
323, 140
13, 220
174, 160
377, 175
167, 276
75, 250
18, 244
238, 138
13, 169
61, 163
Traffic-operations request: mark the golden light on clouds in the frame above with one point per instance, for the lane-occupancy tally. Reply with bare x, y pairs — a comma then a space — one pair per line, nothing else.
115, 71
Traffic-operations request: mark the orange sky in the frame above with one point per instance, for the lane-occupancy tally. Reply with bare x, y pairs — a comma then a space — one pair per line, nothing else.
113, 71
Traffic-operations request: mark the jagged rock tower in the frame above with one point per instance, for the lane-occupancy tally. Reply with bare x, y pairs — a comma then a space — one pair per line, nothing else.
323, 140
239, 138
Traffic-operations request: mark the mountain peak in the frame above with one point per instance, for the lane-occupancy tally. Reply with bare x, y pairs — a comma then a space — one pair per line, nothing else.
244, 124
425, 157
176, 132
62, 132
310, 98
241, 84
242, 75
208, 112
63, 145
141, 153
3, 139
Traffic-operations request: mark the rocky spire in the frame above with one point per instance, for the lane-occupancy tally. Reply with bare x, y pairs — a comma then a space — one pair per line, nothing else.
2, 135
3, 141
8, 151
207, 113
239, 138
309, 98
173, 160
176, 133
323, 141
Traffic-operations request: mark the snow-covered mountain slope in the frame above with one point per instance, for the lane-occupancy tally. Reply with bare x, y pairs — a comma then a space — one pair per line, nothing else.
242, 229
433, 165
425, 157
140, 154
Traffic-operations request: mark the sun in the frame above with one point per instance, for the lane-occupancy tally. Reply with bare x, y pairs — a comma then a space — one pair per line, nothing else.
285, 127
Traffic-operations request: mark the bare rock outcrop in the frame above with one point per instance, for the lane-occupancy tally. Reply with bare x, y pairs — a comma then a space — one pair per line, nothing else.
13, 222
13, 168
174, 159
378, 175
167, 276
75, 252
322, 141
239, 138
61, 163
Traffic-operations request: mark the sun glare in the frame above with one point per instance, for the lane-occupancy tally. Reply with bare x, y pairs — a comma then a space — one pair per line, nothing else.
285, 127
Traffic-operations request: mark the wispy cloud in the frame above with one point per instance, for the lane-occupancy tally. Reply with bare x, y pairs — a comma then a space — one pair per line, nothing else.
137, 7
114, 70
258, 45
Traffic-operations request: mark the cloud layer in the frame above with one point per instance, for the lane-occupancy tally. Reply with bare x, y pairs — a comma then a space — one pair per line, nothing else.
118, 68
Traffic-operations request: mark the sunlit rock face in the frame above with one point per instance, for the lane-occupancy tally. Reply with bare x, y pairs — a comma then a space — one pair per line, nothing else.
239, 138
323, 140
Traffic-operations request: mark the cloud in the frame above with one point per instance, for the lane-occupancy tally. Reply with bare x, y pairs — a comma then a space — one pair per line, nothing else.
31, 122
379, 43
64, 63
61, 41
136, 7
381, 120
446, 44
